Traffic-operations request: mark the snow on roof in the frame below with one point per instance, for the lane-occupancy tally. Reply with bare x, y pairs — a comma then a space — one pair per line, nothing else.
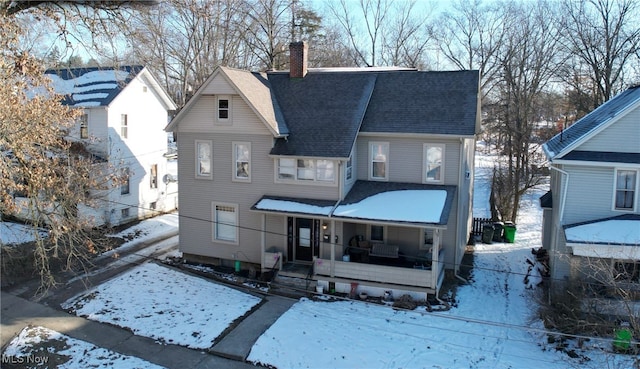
416, 206
612, 231
89, 87
290, 206
611, 238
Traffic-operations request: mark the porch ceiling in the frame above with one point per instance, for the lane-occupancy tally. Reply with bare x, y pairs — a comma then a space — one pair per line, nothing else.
410, 203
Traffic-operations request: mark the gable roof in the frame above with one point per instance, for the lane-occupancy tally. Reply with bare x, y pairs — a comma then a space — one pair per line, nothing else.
424, 102
560, 144
99, 86
254, 88
321, 114
323, 111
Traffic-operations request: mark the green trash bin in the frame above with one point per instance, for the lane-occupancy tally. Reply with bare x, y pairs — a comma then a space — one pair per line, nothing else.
622, 340
509, 232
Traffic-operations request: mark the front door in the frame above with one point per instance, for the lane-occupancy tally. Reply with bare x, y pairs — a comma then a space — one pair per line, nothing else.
306, 239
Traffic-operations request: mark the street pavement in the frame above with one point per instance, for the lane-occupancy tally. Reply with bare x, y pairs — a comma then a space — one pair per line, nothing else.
20, 309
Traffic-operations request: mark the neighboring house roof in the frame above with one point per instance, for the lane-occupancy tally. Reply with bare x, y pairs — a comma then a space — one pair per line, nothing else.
546, 200
410, 203
615, 237
583, 129
602, 156
99, 86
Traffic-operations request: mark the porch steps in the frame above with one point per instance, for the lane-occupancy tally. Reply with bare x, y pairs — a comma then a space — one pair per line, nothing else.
294, 287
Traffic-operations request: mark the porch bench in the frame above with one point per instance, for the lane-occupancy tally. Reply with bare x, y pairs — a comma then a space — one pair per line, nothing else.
383, 250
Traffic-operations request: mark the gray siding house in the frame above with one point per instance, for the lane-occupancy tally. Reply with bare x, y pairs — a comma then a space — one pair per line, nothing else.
591, 217
364, 176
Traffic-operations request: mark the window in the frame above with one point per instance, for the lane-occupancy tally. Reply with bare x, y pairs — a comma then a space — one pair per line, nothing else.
153, 205
427, 242
379, 154
242, 158
84, 126
225, 222
124, 187
203, 159
626, 181
349, 168
305, 170
627, 272
325, 171
286, 168
224, 108
433, 160
124, 126
377, 233
154, 176
124, 213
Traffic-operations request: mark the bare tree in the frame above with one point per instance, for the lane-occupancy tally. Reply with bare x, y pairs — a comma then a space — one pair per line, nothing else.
528, 60
405, 42
604, 38
470, 35
268, 31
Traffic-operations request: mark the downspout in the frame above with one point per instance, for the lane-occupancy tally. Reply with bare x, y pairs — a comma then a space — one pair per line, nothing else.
461, 178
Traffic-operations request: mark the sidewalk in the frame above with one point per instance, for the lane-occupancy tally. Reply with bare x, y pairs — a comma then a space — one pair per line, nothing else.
18, 313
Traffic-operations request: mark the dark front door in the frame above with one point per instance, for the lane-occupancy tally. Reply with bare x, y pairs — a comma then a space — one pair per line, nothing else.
306, 239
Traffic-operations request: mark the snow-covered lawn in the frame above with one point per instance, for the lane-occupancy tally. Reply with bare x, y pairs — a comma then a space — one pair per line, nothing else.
40, 347
170, 306
16, 233
494, 323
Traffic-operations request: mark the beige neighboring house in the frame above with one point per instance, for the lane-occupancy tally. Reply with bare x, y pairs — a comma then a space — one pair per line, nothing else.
591, 214
352, 175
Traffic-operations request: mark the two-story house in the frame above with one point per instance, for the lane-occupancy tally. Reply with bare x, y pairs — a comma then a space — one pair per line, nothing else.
591, 217
124, 113
366, 174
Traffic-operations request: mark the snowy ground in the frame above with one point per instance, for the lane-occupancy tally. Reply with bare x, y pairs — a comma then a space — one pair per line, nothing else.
494, 323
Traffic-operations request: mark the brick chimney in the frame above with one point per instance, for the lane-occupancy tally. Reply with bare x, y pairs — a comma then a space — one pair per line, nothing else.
298, 59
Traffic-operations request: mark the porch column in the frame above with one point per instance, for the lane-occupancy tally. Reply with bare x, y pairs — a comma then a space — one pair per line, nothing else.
333, 248
263, 241
435, 263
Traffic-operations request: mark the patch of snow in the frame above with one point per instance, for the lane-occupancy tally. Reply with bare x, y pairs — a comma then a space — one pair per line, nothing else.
420, 206
293, 207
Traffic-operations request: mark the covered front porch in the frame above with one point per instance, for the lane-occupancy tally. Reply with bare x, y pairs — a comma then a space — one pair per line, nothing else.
381, 237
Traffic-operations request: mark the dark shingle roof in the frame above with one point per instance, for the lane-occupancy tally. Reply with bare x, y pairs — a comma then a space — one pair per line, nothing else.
583, 127
325, 110
602, 156
546, 200
90, 87
424, 102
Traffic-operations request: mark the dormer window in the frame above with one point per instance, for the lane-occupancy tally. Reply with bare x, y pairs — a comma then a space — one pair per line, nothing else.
224, 108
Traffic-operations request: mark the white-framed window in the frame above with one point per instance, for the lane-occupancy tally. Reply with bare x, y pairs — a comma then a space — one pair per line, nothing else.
376, 233
153, 183
125, 184
84, 126
124, 213
223, 108
306, 170
225, 222
242, 161
349, 168
287, 169
204, 159
124, 126
325, 171
433, 163
625, 190
379, 160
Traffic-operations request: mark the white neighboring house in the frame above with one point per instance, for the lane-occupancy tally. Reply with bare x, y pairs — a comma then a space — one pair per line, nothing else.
124, 114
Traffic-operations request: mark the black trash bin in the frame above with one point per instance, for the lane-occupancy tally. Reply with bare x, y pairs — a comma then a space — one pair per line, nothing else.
487, 233
498, 236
